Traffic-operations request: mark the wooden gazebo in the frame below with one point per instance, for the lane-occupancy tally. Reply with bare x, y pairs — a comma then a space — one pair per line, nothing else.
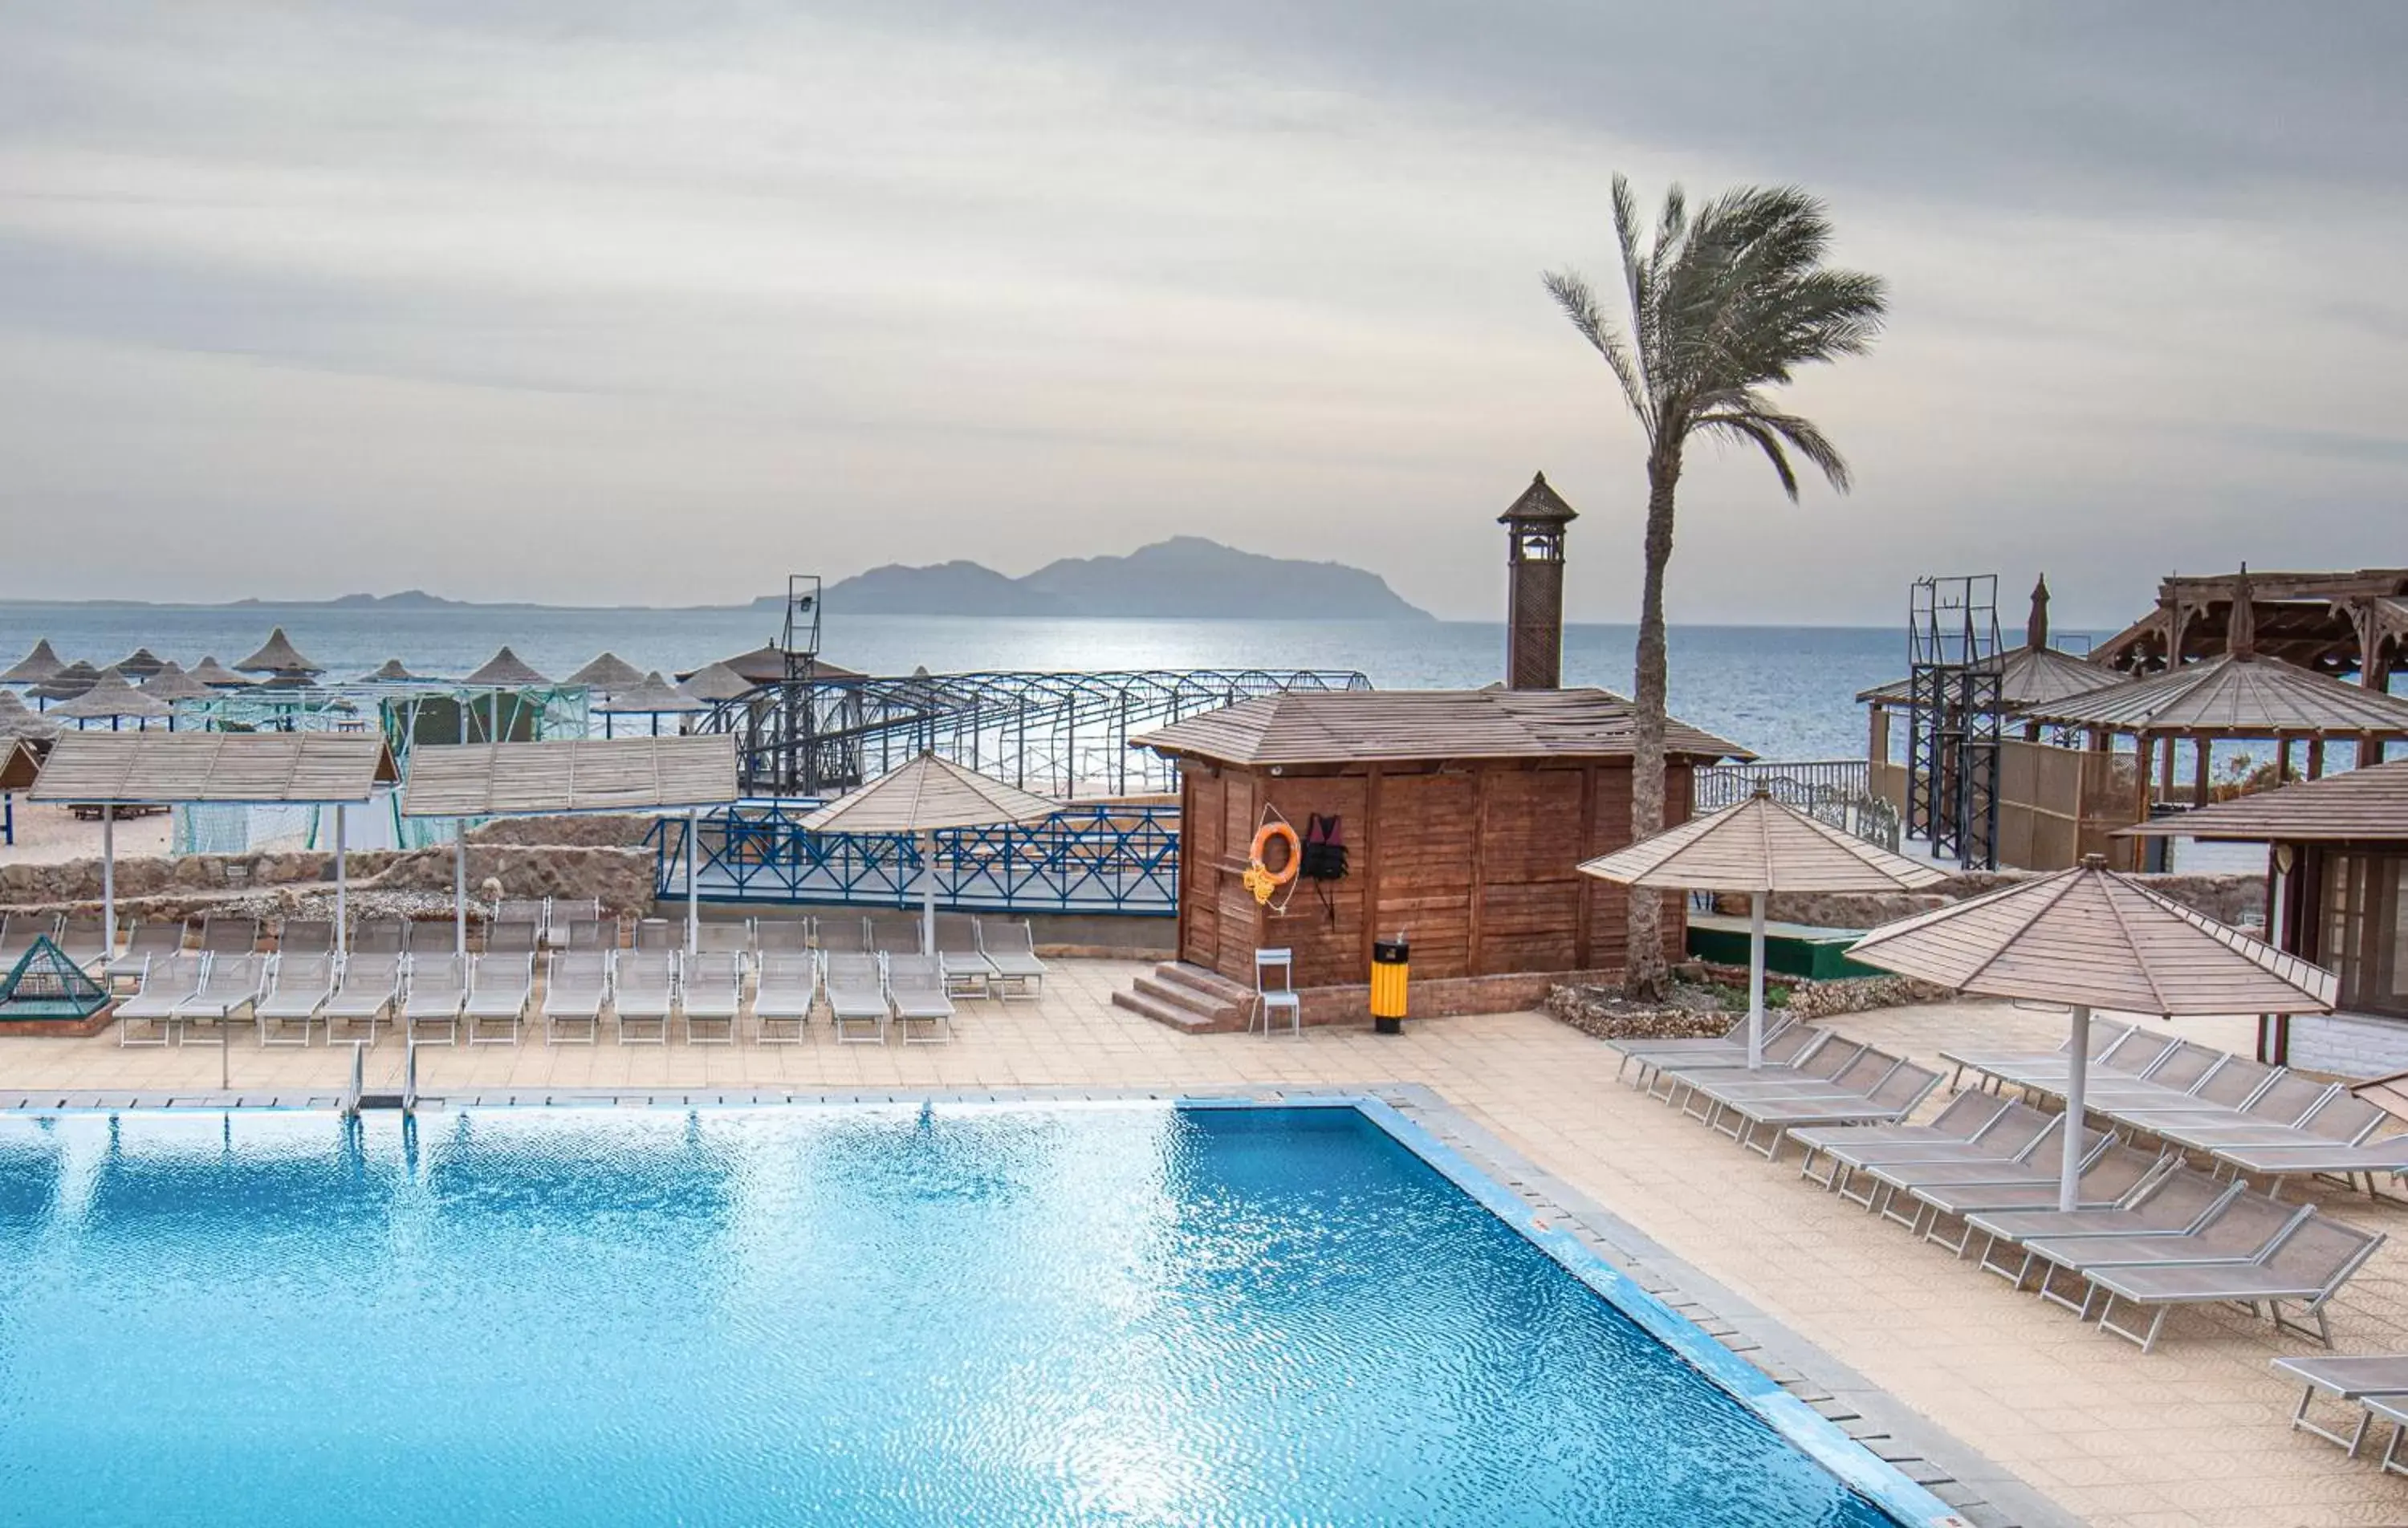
1463, 816
2335, 624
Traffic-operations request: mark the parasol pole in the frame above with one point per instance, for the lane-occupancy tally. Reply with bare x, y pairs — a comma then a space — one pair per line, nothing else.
1755, 980
2077, 1075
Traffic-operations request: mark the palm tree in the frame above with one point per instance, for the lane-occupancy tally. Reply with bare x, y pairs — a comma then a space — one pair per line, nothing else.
1725, 305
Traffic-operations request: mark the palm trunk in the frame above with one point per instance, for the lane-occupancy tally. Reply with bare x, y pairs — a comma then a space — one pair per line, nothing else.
1645, 973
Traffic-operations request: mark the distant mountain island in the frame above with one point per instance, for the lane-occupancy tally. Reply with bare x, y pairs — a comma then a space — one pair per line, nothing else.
1186, 577
407, 599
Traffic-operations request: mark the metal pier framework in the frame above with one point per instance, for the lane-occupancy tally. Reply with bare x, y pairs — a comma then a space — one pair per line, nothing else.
1954, 709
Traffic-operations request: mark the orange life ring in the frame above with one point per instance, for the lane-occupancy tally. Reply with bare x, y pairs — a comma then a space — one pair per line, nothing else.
1263, 837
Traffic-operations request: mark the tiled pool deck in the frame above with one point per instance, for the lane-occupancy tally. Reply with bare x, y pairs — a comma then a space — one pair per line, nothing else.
2026, 1415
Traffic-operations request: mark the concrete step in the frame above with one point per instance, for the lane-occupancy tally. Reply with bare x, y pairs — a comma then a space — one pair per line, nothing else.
1177, 1016
1210, 984
1178, 995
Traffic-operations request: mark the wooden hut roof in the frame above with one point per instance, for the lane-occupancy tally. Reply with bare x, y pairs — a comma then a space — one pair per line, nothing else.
572, 775
2090, 935
766, 664
505, 669
277, 655
146, 768
716, 682
608, 671
2237, 695
1362, 726
2360, 803
1762, 845
216, 676
926, 795
34, 666
2027, 675
21, 764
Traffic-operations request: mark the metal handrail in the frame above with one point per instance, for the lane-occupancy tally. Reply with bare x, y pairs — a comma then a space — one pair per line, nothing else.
358, 1083
409, 1079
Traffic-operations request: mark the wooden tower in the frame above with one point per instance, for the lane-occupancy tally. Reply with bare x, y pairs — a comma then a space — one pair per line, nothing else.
1534, 561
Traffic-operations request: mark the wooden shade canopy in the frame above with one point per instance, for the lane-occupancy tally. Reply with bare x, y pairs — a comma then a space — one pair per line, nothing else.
1762, 845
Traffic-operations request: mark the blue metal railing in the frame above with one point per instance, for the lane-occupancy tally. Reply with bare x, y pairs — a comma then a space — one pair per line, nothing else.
1093, 859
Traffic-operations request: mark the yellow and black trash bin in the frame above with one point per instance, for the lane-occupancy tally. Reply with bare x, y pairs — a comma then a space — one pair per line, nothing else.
1389, 963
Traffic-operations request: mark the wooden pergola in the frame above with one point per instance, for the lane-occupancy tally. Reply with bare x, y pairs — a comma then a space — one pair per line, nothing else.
2333, 624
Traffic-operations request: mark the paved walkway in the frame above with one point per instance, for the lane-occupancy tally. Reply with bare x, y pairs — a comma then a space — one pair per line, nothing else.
2195, 1433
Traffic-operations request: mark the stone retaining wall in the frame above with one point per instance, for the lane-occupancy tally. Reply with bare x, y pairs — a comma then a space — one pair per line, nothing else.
2228, 899
165, 886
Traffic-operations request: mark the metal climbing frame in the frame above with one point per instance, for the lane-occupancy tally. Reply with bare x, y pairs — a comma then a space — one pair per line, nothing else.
1060, 734
1097, 859
1953, 714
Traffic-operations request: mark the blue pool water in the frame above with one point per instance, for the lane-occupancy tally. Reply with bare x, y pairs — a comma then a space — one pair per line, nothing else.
1008, 1315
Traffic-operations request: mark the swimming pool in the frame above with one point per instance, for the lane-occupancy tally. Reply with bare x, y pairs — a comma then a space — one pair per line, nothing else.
971, 1314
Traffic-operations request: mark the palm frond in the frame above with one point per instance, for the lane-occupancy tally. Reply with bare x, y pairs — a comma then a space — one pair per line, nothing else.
1747, 429
1573, 294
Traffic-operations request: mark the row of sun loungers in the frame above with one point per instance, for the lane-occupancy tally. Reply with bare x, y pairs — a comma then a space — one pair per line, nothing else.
2250, 1118
2376, 1383
2150, 1233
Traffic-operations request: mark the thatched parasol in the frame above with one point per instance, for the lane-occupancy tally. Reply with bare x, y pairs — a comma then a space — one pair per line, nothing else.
393, 671
650, 695
139, 665
504, 670
112, 697
607, 673
216, 676
921, 798
2089, 938
16, 721
278, 656
34, 666
67, 683
715, 682
171, 685
1760, 846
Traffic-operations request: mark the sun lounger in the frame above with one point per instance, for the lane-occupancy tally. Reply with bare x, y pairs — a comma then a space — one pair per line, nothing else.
367, 989
2347, 1381
1730, 1045
643, 995
967, 972
1010, 946
788, 987
856, 994
842, 936
2102, 1037
1699, 1091
586, 933
2275, 1164
787, 935
895, 936
231, 984
165, 982
380, 936
2119, 1052
2238, 1230
501, 989
1783, 1049
2112, 1176
514, 938
559, 912
1765, 1124
2335, 1118
1962, 1117
723, 939
18, 932
576, 985
229, 935
2177, 1203
305, 936
711, 993
80, 939
2042, 1160
659, 934
299, 987
2304, 1266
148, 941
915, 988
2011, 1136
438, 990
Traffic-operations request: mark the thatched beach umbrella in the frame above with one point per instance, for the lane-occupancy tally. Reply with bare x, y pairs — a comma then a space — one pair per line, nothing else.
608, 673
111, 696
279, 657
505, 669
172, 684
139, 665
2091, 938
216, 676
67, 683
34, 666
393, 671
716, 682
921, 798
651, 695
1760, 846
16, 721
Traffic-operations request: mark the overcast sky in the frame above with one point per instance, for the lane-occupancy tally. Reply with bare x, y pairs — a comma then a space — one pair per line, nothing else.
600, 301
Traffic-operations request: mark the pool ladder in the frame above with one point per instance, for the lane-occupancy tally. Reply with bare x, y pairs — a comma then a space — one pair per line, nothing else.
356, 1097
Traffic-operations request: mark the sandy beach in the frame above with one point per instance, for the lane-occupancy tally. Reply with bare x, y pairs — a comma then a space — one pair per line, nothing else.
47, 835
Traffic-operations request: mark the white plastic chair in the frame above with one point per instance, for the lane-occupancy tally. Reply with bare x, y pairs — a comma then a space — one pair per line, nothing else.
1269, 1000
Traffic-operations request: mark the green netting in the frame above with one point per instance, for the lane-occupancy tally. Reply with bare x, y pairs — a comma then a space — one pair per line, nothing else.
46, 984
243, 828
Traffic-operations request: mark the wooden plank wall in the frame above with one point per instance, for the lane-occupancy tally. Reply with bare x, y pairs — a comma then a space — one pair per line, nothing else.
1478, 865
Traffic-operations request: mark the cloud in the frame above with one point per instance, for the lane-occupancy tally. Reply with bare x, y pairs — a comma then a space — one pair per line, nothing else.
293, 299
